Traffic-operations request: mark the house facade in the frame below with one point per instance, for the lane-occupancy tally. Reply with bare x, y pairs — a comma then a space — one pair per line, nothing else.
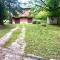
24, 18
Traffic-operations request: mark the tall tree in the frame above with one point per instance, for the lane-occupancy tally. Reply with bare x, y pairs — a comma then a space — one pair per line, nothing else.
52, 7
34, 11
11, 6
3, 13
53, 11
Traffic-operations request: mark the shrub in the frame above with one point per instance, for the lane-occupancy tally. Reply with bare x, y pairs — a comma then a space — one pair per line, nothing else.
36, 22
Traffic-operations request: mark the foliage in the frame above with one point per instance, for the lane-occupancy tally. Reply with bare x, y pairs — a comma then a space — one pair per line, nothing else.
3, 12
41, 15
34, 11
16, 14
12, 5
8, 6
53, 7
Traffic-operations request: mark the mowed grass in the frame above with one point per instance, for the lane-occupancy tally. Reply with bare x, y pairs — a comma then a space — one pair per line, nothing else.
6, 28
14, 36
43, 41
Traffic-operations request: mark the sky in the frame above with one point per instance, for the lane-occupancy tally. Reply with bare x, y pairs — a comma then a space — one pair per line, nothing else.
23, 1
25, 5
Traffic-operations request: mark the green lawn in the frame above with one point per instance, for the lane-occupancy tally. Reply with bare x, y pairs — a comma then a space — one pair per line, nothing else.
5, 29
14, 36
43, 41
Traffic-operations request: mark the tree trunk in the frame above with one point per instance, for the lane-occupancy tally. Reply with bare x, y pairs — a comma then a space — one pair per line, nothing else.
1, 22
51, 20
10, 18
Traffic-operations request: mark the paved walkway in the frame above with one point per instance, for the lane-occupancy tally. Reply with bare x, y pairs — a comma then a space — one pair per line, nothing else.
6, 37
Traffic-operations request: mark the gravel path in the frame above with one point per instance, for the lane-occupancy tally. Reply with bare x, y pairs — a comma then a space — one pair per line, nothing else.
6, 37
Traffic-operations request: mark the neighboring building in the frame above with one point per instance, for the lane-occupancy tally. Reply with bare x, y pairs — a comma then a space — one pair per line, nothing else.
24, 18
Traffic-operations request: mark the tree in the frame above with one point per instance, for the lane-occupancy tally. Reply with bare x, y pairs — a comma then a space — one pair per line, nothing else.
3, 13
13, 5
53, 11
52, 7
34, 11
8, 6
42, 15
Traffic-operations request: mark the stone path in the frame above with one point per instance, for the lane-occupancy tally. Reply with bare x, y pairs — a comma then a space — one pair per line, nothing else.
17, 47
19, 44
6, 37
16, 50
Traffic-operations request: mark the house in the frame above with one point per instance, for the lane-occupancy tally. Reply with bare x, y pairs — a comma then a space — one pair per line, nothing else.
24, 18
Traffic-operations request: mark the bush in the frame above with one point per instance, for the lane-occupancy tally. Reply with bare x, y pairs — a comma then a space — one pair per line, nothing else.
36, 22
41, 15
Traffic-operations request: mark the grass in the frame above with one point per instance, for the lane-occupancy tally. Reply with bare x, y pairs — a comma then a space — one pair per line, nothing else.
5, 29
12, 39
43, 41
